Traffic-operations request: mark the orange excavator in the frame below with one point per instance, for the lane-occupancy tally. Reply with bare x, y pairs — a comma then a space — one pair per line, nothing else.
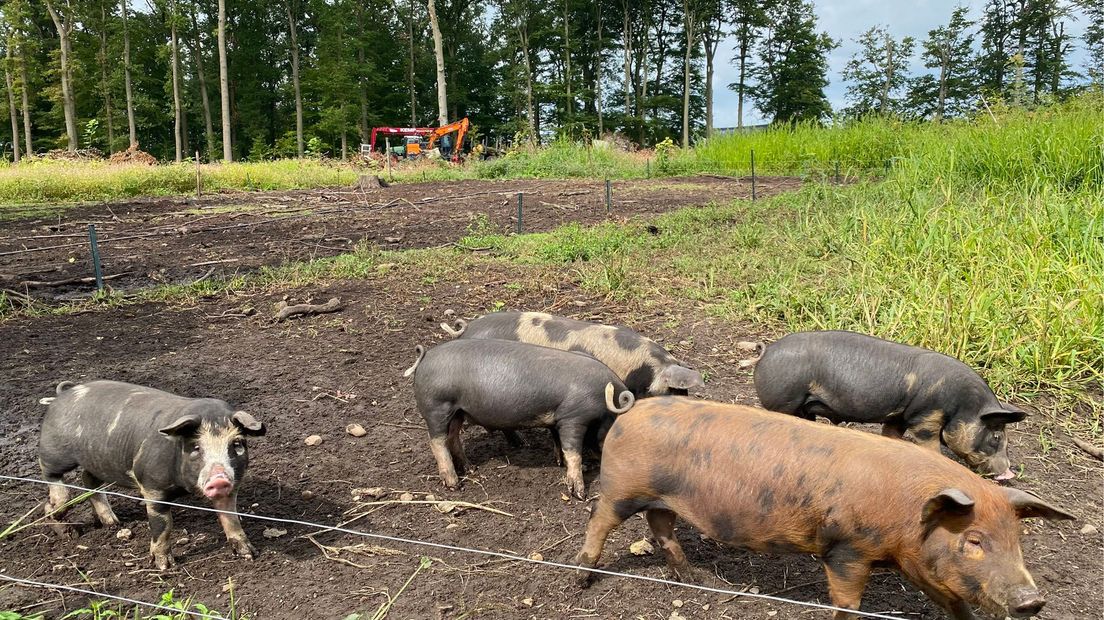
450, 147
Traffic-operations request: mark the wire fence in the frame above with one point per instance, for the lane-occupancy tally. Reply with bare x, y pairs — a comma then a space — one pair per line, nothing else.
323, 528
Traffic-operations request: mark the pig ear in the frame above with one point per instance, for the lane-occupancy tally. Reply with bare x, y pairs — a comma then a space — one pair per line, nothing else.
183, 426
1028, 506
1006, 414
248, 424
682, 378
949, 502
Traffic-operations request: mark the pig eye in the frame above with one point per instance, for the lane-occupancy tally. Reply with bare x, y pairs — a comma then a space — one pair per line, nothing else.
239, 447
194, 450
974, 541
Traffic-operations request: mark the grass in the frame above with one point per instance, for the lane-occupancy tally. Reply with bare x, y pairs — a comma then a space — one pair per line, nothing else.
178, 609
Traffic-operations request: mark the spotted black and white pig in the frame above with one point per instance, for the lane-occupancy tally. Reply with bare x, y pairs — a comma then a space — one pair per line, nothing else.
774, 483
646, 368
165, 445
504, 385
850, 377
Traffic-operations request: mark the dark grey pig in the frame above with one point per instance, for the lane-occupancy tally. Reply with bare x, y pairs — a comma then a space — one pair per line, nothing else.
849, 377
503, 385
164, 445
646, 368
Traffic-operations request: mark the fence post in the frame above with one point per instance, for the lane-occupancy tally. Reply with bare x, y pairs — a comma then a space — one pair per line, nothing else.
95, 256
199, 179
753, 174
519, 212
648, 167
609, 196
837, 172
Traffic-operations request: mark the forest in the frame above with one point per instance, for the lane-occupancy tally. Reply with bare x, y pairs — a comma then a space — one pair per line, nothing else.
249, 80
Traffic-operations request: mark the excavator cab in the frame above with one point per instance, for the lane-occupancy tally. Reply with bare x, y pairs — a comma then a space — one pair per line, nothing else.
450, 146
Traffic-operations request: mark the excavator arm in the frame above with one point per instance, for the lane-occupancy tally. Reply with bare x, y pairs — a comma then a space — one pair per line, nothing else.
460, 127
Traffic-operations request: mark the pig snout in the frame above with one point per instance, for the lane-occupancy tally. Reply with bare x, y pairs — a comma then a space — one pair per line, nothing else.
1008, 474
1026, 602
219, 484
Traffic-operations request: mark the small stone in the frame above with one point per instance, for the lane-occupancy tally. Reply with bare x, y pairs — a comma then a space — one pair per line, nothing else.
746, 345
183, 541
564, 497
675, 615
445, 507
754, 589
307, 494
579, 303
536, 556
392, 239
313, 440
1089, 529
431, 497
356, 430
128, 564
451, 312
705, 607
406, 497
676, 603
452, 526
375, 492
272, 532
527, 601
123, 534
772, 613
641, 547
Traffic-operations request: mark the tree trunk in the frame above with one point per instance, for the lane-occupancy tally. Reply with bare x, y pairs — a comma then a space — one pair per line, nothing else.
224, 85
344, 146
941, 108
567, 65
523, 38
439, 53
362, 93
628, 56
741, 80
24, 87
201, 76
178, 109
295, 79
598, 74
11, 106
688, 26
410, 66
64, 25
883, 106
104, 82
711, 36
126, 78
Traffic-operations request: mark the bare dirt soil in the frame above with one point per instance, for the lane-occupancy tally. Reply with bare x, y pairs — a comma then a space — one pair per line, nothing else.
177, 240
318, 374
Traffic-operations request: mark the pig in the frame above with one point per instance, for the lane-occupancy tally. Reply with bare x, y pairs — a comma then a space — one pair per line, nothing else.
773, 483
166, 446
503, 385
646, 368
849, 377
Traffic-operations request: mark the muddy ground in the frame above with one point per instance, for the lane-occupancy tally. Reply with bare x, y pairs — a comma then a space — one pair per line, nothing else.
177, 240
318, 374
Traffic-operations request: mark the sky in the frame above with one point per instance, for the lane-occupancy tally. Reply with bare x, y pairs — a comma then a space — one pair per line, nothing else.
845, 20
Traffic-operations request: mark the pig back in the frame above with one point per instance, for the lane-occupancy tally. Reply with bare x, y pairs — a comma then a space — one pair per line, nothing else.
771, 482
496, 375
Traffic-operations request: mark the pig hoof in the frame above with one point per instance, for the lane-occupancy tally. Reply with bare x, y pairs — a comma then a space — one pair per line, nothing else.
584, 579
164, 562
245, 550
65, 531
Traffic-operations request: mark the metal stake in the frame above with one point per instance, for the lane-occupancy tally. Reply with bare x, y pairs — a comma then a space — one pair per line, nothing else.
95, 256
837, 172
519, 213
387, 146
609, 196
199, 179
753, 174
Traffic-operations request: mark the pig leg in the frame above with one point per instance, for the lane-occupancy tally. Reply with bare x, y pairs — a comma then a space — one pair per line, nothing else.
438, 421
100, 505
571, 438
662, 523
455, 444
160, 523
601, 523
846, 581
56, 509
231, 526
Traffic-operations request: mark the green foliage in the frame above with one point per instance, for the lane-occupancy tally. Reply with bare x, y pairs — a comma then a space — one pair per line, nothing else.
793, 65
105, 610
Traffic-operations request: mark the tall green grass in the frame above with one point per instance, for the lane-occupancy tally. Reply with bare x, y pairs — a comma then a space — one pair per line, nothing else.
43, 181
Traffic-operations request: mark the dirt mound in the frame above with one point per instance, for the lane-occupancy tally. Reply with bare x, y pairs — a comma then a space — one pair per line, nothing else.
133, 155
89, 154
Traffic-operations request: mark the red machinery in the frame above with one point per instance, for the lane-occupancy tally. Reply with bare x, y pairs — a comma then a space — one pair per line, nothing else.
420, 132
419, 139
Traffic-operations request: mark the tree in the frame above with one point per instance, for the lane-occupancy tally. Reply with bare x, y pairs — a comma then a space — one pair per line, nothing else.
439, 53
949, 49
693, 12
749, 18
224, 84
196, 46
712, 32
293, 43
10, 83
126, 74
64, 18
178, 106
105, 83
877, 72
1094, 42
793, 65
